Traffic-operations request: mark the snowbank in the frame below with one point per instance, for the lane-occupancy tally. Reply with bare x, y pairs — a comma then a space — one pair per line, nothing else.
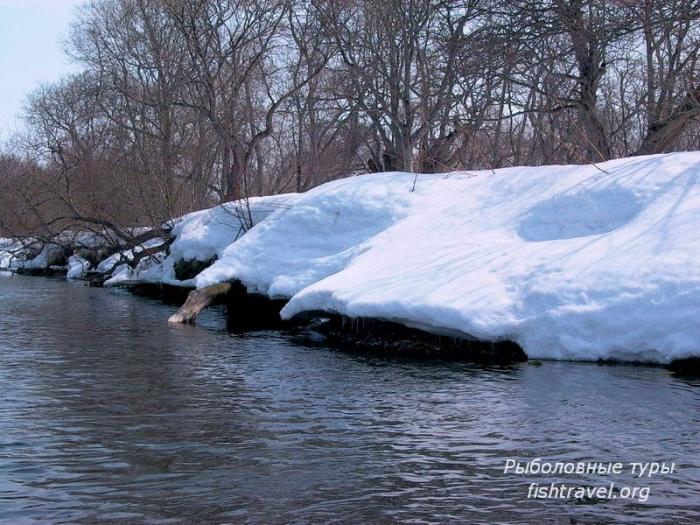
570, 262
28, 254
49, 254
77, 267
205, 234
7, 249
201, 235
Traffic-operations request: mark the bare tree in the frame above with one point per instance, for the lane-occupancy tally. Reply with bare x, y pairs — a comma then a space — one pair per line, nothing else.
671, 31
186, 103
242, 66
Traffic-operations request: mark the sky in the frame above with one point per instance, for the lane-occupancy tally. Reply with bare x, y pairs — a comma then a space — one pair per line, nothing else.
31, 52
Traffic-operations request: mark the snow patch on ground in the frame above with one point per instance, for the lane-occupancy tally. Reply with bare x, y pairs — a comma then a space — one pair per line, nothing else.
77, 267
318, 236
119, 264
205, 234
201, 235
571, 262
49, 254
7, 250
579, 214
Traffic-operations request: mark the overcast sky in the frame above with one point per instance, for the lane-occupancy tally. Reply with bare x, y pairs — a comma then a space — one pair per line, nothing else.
30, 51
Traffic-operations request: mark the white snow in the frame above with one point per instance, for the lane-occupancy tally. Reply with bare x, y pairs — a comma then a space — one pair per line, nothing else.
77, 267
204, 234
318, 236
7, 249
201, 235
117, 262
570, 262
147, 270
46, 257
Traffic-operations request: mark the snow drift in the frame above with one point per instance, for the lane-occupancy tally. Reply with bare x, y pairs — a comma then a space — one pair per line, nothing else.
28, 254
571, 262
202, 236
7, 249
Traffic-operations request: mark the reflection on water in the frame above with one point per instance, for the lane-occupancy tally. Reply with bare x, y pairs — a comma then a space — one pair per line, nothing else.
107, 413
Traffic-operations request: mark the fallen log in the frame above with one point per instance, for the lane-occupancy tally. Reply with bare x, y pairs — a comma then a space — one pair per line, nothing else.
198, 300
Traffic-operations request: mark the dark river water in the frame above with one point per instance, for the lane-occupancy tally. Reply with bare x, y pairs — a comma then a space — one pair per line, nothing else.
107, 414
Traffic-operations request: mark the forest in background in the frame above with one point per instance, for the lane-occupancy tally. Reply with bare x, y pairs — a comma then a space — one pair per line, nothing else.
184, 104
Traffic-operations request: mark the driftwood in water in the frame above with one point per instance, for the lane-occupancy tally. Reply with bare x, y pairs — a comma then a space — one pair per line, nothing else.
198, 300
245, 311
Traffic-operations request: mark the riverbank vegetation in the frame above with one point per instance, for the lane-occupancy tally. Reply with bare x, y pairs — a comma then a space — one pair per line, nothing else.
184, 105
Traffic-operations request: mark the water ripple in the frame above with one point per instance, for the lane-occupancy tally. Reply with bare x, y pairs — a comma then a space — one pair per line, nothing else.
109, 414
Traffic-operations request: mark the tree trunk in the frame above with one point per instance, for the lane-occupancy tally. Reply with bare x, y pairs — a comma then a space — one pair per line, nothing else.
662, 133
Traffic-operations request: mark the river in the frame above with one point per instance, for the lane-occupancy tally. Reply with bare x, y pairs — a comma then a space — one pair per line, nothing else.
109, 414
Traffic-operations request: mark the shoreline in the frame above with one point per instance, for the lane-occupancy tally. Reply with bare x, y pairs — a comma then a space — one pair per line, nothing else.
373, 337
569, 262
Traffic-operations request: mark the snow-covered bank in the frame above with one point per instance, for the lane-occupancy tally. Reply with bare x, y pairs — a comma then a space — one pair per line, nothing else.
201, 236
51, 256
28, 255
7, 247
570, 262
